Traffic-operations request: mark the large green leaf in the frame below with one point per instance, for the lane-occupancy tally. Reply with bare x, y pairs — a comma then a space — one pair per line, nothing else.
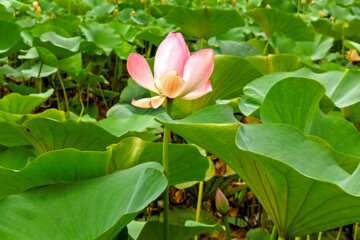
10, 38
274, 21
257, 234
230, 75
20, 118
235, 48
71, 44
326, 27
20, 104
47, 57
48, 134
185, 161
62, 166
102, 35
341, 87
203, 22
275, 63
33, 72
12, 135
295, 101
72, 64
99, 11
295, 179
307, 51
97, 208
154, 230
16, 157
126, 110
143, 126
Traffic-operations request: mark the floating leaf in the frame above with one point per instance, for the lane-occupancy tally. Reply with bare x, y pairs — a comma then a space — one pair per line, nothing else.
71, 65
10, 38
102, 35
274, 21
134, 125
277, 162
275, 63
298, 99
20, 104
341, 88
154, 230
63, 166
33, 72
185, 161
47, 135
95, 208
71, 44
203, 22
15, 158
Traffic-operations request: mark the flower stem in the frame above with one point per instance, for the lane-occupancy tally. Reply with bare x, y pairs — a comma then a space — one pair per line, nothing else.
308, 237
342, 45
298, 7
82, 105
65, 95
339, 233
273, 233
202, 44
298, 238
227, 226
266, 47
69, 7
56, 92
355, 231
198, 207
281, 238
320, 235
39, 80
165, 156
103, 96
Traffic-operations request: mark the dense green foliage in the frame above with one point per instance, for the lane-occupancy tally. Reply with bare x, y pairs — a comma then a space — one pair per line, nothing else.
78, 161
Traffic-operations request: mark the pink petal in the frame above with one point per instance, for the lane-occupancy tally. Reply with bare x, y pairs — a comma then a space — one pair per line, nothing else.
140, 71
171, 55
198, 70
200, 92
170, 84
153, 102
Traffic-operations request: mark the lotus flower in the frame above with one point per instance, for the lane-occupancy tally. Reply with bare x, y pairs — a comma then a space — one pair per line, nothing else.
176, 73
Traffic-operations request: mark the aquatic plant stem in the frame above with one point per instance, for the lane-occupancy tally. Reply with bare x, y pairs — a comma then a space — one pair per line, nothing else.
69, 7
342, 43
273, 233
56, 92
82, 105
201, 184
202, 44
266, 47
103, 96
39, 81
165, 155
227, 227
355, 231
198, 207
65, 95
320, 235
339, 233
